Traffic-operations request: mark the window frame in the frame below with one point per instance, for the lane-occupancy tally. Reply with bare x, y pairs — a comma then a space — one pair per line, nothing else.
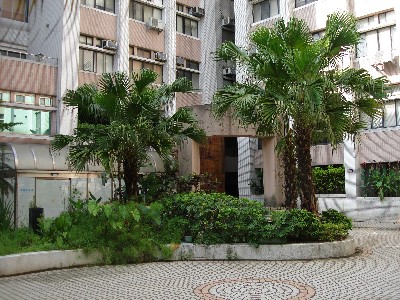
185, 27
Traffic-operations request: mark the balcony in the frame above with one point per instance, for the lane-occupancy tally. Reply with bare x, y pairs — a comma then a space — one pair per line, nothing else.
28, 73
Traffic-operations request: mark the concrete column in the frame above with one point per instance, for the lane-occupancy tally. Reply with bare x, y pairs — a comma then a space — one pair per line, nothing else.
246, 146
189, 158
68, 64
272, 183
286, 8
121, 62
211, 35
170, 47
352, 169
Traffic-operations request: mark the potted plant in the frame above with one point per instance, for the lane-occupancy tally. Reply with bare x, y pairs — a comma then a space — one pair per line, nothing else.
35, 213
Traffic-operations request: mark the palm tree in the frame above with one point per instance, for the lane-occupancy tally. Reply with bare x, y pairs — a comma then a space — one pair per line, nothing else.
120, 120
295, 80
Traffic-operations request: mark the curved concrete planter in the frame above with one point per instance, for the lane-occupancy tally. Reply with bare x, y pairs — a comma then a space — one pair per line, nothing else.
38, 261
265, 252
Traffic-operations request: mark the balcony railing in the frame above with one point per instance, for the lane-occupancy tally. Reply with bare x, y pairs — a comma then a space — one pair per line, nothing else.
32, 57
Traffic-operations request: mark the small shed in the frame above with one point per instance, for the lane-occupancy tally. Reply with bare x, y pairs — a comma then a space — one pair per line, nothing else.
37, 175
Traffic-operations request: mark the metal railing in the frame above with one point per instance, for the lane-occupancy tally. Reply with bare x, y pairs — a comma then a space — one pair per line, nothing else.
32, 57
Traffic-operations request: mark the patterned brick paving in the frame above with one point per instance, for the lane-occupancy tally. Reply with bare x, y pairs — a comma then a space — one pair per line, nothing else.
373, 273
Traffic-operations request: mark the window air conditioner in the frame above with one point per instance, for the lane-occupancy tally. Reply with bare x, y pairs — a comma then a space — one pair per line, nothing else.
156, 24
180, 61
228, 71
160, 56
196, 12
228, 22
109, 45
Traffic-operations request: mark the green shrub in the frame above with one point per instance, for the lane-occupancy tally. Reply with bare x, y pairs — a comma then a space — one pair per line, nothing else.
332, 232
334, 217
124, 233
218, 218
381, 179
330, 180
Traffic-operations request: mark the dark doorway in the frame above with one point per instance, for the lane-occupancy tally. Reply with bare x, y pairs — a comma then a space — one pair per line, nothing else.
231, 166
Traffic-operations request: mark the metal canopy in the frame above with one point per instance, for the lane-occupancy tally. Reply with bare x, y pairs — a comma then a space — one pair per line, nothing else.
39, 158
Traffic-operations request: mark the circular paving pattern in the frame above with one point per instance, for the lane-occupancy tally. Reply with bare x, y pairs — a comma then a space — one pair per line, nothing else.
254, 289
372, 274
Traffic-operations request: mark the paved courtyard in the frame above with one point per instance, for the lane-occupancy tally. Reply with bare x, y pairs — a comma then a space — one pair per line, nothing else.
373, 273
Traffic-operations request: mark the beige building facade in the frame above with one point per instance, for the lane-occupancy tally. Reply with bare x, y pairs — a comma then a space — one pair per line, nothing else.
48, 47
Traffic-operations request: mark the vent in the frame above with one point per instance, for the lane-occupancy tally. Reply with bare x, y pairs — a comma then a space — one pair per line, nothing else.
228, 72
160, 56
228, 22
156, 24
180, 61
196, 12
109, 45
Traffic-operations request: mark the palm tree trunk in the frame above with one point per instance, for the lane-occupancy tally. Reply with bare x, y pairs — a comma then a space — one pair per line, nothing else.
131, 178
290, 171
306, 184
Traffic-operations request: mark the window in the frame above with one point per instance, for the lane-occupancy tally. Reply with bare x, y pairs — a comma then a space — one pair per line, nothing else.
265, 9
180, 7
361, 50
143, 53
142, 12
193, 77
318, 35
136, 66
27, 99
187, 26
45, 101
390, 116
106, 5
86, 40
382, 39
303, 2
4, 96
14, 10
33, 121
97, 62
192, 65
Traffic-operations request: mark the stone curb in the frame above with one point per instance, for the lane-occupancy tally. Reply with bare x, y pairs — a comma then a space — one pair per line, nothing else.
45, 260
303, 251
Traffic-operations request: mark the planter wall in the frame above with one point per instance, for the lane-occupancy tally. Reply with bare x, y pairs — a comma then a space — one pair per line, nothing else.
265, 252
362, 208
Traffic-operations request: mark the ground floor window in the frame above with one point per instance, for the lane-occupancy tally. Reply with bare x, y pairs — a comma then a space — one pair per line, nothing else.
32, 121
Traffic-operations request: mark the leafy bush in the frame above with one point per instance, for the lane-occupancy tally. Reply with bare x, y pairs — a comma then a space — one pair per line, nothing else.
218, 218
334, 217
381, 179
122, 232
330, 180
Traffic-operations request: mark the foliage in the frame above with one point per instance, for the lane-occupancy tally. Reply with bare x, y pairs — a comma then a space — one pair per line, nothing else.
381, 179
257, 185
6, 214
121, 119
218, 218
330, 180
123, 233
291, 78
22, 240
334, 217
155, 186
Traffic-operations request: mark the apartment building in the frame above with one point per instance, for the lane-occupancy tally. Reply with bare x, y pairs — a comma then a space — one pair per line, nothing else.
48, 47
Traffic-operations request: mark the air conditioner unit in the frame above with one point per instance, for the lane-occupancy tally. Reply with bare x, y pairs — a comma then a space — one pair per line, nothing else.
196, 12
156, 24
109, 45
160, 56
180, 61
228, 22
228, 71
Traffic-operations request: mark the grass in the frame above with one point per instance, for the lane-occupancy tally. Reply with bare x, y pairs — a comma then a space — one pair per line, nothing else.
22, 240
